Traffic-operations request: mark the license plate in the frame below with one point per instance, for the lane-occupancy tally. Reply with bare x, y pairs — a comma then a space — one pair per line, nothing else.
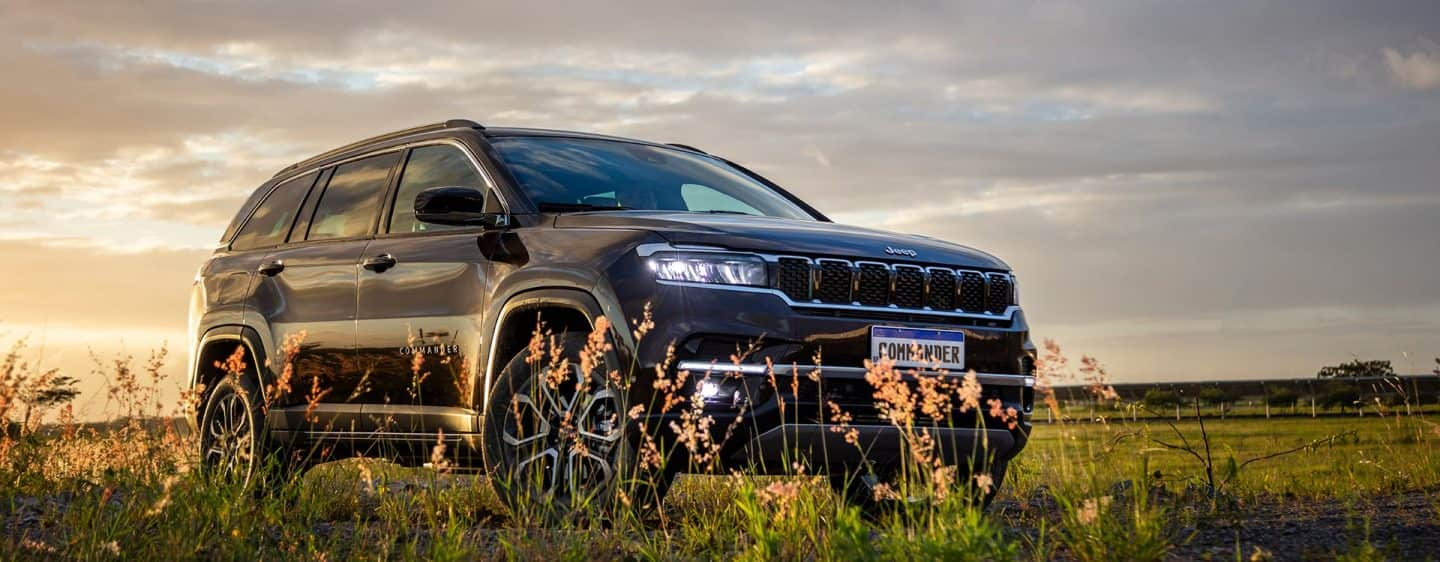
916, 347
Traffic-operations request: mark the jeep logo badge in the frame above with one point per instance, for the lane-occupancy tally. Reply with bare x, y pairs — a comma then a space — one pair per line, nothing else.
900, 251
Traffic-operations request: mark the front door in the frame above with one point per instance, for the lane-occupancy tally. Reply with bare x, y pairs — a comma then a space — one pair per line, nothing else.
422, 290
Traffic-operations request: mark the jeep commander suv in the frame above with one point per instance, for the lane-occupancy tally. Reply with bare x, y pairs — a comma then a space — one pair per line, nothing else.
429, 295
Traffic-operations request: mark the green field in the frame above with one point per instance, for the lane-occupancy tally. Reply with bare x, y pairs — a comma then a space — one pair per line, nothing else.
1382, 455
112, 495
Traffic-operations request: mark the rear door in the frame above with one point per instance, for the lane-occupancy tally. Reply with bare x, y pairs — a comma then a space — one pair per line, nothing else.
421, 295
307, 294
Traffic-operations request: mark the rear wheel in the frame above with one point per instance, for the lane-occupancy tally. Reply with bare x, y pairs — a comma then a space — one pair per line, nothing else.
558, 443
234, 442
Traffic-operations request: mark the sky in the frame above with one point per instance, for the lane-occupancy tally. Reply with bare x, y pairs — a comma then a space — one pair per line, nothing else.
1186, 190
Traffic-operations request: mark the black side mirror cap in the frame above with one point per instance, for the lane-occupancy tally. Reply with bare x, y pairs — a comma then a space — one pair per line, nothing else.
462, 206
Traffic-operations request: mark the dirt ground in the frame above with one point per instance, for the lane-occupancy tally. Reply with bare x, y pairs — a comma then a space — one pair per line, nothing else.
1404, 526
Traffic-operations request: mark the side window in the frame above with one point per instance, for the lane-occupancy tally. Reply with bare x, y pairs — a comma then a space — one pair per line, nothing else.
430, 166
701, 198
271, 221
351, 200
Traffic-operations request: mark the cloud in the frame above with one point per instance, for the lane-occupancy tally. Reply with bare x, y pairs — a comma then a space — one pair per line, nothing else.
1419, 70
1153, 164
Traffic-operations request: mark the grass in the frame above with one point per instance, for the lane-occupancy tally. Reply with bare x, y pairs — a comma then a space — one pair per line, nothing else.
1091, 491
374, 510
1384, 455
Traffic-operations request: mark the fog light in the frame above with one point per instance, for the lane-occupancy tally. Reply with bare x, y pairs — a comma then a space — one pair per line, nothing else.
709, 390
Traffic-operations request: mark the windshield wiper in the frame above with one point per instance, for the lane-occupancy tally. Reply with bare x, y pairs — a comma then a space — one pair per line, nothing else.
551, 207
725, 212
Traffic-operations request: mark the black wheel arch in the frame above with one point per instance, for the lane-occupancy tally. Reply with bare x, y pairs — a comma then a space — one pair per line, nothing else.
218, 344
561, 310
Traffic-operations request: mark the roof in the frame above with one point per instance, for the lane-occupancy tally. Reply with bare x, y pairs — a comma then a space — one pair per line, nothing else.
464, 124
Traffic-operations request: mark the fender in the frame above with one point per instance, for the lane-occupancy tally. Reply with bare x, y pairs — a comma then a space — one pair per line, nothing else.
581, 301
245, 336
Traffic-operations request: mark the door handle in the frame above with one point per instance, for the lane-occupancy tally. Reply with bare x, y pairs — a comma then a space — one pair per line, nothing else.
379, 263
270, 268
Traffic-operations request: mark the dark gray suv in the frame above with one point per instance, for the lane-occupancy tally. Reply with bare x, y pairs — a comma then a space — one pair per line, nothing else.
424, 287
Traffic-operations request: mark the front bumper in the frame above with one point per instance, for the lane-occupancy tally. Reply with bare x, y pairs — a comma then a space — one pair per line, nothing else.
762, 414
827, 447
770, 420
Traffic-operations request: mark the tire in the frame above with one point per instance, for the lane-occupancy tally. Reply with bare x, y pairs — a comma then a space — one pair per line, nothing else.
235, 444
541, 466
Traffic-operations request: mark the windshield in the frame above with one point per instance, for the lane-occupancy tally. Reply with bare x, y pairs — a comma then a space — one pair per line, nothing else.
570, 174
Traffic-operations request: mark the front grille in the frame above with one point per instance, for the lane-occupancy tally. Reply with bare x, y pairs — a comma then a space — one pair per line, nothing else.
909, 287
972, 291
793, 278
900, 286
833, 285
1001, 291
942, 289
872, 284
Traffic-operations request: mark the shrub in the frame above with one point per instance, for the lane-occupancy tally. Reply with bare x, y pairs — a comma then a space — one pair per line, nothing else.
1215, 396
1282, 397
1156, 398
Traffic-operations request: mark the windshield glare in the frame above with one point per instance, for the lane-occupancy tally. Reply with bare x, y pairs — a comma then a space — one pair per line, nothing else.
589, 174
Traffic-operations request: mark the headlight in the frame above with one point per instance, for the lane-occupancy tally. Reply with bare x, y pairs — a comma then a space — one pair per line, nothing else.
722, 269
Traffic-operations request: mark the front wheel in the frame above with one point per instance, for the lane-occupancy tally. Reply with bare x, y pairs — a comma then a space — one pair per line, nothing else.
558, 443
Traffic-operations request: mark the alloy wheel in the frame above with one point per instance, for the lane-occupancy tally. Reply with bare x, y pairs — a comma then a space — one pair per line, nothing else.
564, 435
230, 436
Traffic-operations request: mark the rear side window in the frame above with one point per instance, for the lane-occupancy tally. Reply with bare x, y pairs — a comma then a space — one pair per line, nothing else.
430, 166
271, 221
352, 199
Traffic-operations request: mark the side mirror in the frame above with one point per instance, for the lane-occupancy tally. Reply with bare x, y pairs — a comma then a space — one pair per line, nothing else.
465, 206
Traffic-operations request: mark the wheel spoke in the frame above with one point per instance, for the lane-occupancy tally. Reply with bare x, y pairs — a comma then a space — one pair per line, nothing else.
599, 423
547, 477
587, 472
520, 436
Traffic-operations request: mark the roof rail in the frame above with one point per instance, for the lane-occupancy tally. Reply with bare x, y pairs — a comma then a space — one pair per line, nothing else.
450, 124
686, 147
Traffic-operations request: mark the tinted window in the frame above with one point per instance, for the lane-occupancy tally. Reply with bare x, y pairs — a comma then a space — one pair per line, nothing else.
244, 211
589, 174
352, 199
430, 166
271, 221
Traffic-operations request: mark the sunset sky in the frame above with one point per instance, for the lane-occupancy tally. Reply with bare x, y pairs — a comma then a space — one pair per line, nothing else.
1186, 190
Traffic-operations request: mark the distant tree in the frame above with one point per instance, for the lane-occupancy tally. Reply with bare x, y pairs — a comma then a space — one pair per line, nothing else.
1338, 393
1437, 367
1282, 397
1215, 396
1357, 368
1156, 398
47, 392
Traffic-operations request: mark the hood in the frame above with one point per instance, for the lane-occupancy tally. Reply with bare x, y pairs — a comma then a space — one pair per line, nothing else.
787, 236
